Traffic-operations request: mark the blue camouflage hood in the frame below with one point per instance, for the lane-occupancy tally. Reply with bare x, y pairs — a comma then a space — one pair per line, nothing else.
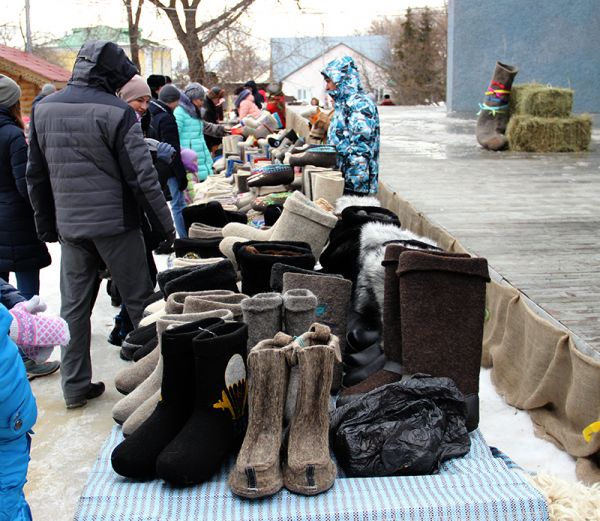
343, 72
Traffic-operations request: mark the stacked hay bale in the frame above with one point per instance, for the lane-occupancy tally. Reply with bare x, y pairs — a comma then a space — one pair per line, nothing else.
541, 120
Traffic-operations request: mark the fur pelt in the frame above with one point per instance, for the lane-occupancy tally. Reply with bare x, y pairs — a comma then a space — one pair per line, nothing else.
368, 292
354, 200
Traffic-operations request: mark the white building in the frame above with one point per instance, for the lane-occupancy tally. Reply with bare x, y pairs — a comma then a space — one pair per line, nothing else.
298, 62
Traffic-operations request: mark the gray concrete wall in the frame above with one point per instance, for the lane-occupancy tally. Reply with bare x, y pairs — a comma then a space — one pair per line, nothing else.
554, 42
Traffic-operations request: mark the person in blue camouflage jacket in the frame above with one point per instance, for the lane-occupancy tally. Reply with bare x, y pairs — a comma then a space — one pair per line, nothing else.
354, 127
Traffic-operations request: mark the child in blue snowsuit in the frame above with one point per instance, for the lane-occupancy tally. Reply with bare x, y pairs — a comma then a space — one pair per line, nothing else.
18, 413
354, 127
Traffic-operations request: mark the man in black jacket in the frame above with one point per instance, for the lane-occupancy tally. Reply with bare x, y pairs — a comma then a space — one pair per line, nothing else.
89, 172
164, 128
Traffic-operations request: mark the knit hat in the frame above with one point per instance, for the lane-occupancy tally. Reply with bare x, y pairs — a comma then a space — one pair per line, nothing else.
134, 89
169, 93
47, 89
189, 158
194, 91
10, 92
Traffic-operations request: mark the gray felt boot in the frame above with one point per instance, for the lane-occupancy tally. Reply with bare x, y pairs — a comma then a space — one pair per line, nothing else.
309, 469
262, 314
257, 472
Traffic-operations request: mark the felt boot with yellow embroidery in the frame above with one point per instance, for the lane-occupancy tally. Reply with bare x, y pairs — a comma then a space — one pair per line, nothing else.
136, 456
257, 472
217, 423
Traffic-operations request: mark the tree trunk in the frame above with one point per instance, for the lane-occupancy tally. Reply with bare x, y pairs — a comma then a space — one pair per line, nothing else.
135, 46
193, 51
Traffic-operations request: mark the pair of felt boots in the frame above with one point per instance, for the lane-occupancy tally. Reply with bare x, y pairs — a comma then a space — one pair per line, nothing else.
300, 461
433, 315
201, 413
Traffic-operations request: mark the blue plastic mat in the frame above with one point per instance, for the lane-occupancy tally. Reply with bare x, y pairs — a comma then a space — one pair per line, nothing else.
478, 486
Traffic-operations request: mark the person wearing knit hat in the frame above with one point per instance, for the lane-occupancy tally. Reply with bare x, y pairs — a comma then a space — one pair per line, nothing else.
156, 82
165, 128
192, 127
213, 113
21, 252
136, 93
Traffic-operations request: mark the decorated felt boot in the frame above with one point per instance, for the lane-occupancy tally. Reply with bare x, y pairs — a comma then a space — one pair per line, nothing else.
271, 175
216, 425
494, 111
308, 468
136, 456
315, 155
257, 471
442, 304
146, 388
262, 313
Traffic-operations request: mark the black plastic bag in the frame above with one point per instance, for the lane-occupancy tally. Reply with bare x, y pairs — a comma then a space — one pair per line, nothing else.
405, 428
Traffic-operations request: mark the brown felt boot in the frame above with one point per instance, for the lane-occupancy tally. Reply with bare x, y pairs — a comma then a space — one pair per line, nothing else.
442, 304
494, 113
257, 472
309, 469
392, 371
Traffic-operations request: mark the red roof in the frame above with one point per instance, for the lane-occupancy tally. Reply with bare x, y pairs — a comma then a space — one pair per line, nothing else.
34, 63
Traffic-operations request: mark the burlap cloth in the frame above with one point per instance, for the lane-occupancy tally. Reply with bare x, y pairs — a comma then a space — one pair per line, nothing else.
535, 364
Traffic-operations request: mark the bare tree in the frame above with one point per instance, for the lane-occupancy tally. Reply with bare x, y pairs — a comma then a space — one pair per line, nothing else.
7, 32
133, 24
193, 35
241, 61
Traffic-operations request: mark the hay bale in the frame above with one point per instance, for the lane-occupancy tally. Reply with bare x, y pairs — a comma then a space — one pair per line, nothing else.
532, 134
534, 99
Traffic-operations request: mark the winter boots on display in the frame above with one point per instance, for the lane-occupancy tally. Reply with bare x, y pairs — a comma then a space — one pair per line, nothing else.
303, 465
494, 111
442, 305
314, 155
200, 415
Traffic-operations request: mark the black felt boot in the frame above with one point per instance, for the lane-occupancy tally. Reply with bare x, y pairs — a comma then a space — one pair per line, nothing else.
136, 456
494, 113
217, 424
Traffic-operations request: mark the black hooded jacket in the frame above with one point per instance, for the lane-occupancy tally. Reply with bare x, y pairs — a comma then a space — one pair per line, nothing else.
89, 169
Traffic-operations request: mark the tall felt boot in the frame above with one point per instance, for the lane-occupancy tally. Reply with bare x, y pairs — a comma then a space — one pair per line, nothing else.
136, 456
255, 260
392, 371
308, 468
262, 313
220, 275
442, 304
216, 425
176, 301
299, 307
494, 113
125, 407
232, 303
257, 471
333, 295
140, 415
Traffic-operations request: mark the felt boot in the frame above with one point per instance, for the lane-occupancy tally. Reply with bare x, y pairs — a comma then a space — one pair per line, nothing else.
137, 338
279, 270
129, 378
299, 307
146, 349
301, 220
125, 407
328, 186
255, 260
257, 471
315, 155
220, 275
231, 303
204, 231
210, 213
333, 295
392, 371
216, 425
262, 313
442, 304
203, 248
271, 175
308, 468
140, 415
494, 113
176, 301
136, 456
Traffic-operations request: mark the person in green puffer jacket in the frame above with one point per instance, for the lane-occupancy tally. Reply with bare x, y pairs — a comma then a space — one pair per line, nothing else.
192, 128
